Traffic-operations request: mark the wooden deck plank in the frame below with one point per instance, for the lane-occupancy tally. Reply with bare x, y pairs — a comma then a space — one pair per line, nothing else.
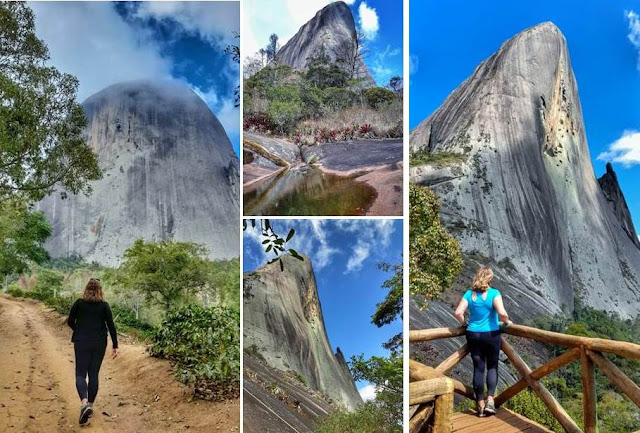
504, 421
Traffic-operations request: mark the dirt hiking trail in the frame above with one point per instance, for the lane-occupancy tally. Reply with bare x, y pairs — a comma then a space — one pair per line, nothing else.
137, 392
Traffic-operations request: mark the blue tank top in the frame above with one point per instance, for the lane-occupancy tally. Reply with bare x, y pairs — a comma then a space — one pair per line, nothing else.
482, 316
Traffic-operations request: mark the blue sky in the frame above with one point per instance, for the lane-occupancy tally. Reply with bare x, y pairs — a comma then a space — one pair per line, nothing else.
103, 43
344, 254
379, 20
447, 41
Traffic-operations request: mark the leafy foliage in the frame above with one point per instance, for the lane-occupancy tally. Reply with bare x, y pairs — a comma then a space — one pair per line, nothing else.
424, 157
528, 404
376, 97
390, 308
165, 272
205, 345
272, 241
386, 375
22, 237
434, 256
366, 419
41, 143
280, 100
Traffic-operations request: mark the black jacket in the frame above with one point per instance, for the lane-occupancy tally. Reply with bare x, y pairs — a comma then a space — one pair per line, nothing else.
90, 322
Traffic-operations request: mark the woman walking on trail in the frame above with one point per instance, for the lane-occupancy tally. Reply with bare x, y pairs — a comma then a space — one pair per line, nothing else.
483, 335
90, 318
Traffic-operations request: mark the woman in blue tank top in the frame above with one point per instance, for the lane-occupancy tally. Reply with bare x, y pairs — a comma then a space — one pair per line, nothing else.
483, 335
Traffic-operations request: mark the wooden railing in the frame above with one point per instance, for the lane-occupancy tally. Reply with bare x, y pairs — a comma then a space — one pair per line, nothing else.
589, 352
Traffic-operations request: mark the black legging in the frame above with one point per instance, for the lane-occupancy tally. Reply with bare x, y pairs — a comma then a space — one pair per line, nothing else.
485, 352
89, 357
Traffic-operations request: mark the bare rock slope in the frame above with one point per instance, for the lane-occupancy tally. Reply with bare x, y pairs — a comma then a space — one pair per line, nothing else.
522, 195
332, 29
283, 323
169, 172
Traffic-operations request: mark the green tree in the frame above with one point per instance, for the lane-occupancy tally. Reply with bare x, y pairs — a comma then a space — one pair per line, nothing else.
434, 256
224, 281
41, 124
234, 52
322, 72
386, 375
395, 84
391, 307
22, 237
376, 97
272, 49
165, 272
48, 283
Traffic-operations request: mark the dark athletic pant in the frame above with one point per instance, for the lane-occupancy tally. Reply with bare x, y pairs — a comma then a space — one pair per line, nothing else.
485, 350
89, 355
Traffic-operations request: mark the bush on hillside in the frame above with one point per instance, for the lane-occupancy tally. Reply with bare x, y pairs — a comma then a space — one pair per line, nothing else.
376, 97
204, 343
367, 418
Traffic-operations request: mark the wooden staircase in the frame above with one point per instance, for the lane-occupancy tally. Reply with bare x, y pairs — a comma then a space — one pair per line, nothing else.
431, 391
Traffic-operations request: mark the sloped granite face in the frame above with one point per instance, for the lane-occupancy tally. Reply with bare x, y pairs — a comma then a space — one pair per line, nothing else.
332, 29
169, 172
283, 322
615, 197
524, 198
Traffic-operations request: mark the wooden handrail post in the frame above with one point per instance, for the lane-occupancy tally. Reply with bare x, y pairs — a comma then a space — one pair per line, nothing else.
418, 335
419, 419
447, 365
418, 371
537, 374
547, 398
436, 388
621, 348
588, 392
443, 413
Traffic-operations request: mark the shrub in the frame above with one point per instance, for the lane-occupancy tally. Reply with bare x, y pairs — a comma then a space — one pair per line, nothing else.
284, 115
336, 98
377, 96
62, 304
528, 404
204, 343
15, 290
48, 284
367, 418
125, 319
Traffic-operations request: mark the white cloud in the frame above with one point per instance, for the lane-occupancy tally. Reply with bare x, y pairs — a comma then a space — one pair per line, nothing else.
225, 110
350, 2
360, 240
325, 252
414, 62
361, 252
368, 21
634, 30
625, 150
379, 66
92, 42
370, 236
213, 21
282, 17
367, 392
